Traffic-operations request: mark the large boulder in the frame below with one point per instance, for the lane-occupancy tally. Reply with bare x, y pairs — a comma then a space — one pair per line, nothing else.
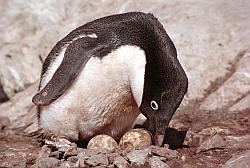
208, 34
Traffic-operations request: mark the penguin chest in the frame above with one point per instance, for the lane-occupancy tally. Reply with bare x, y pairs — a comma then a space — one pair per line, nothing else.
103, 99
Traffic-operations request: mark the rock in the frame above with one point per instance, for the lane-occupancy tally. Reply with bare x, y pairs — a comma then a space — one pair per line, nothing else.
216, 141
104, 142
193, 139
81, 160
92, 157
242, 104
237, 141
73, 159
235, 87
48, 162
240, 161
70, 151
4, 122
67, 164
44, 152
120, 162
225, 40
164, 152
21, 111
188, 165
156, 162
99, 159
3, 95
138, 157
55, 154
135, 138
215, 130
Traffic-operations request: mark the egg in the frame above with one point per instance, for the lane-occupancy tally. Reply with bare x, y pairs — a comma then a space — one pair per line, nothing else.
135, 138
103, 141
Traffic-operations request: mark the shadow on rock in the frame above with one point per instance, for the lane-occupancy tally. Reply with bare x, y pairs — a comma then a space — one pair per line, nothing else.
175, 138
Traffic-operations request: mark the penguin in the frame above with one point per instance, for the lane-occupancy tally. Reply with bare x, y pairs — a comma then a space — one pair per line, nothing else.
102, 75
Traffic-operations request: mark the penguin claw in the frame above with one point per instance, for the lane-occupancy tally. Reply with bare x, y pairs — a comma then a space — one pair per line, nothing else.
50, 139
42, 134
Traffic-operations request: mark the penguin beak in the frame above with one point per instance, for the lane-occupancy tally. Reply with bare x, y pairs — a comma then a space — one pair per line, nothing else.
160, 128
158, 124
158, 138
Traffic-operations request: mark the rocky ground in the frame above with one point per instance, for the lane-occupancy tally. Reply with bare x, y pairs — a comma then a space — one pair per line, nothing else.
211, 128
197, 138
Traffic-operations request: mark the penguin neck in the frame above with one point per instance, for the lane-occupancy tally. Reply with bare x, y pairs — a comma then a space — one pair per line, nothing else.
137, 73
160, 71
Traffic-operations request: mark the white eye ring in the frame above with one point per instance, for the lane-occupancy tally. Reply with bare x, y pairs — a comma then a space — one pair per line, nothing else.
154, 105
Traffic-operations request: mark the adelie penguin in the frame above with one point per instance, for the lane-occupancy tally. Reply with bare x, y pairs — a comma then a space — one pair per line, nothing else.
102, 75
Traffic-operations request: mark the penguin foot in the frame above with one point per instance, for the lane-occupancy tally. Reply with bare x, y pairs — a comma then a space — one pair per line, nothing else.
50, 139
42, 134
60, 143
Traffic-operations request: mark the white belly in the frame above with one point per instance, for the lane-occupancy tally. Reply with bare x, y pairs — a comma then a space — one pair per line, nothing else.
103, 99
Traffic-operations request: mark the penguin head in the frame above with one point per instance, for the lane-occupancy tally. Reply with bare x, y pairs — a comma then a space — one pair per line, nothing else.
165, 84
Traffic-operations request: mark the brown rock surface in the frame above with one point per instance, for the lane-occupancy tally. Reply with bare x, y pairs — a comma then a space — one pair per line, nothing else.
164, 152
213, 142
21, 111
236, 86
157, 163
48, 162
120, 162
241, 160
138, 157
16, 150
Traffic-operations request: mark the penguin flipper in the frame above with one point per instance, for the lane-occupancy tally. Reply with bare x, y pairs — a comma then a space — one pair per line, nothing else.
76, 56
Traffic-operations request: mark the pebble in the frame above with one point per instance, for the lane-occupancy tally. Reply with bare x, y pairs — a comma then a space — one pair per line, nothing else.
93, 157
99, 159
156, 162
138, 157
67, 164
55, 154
193, 139
213, 142
73, 159
44, 152
164, 152
49, 162
70, 151
120, 162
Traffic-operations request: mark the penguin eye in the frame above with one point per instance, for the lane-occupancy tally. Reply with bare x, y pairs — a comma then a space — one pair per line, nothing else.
154, 105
